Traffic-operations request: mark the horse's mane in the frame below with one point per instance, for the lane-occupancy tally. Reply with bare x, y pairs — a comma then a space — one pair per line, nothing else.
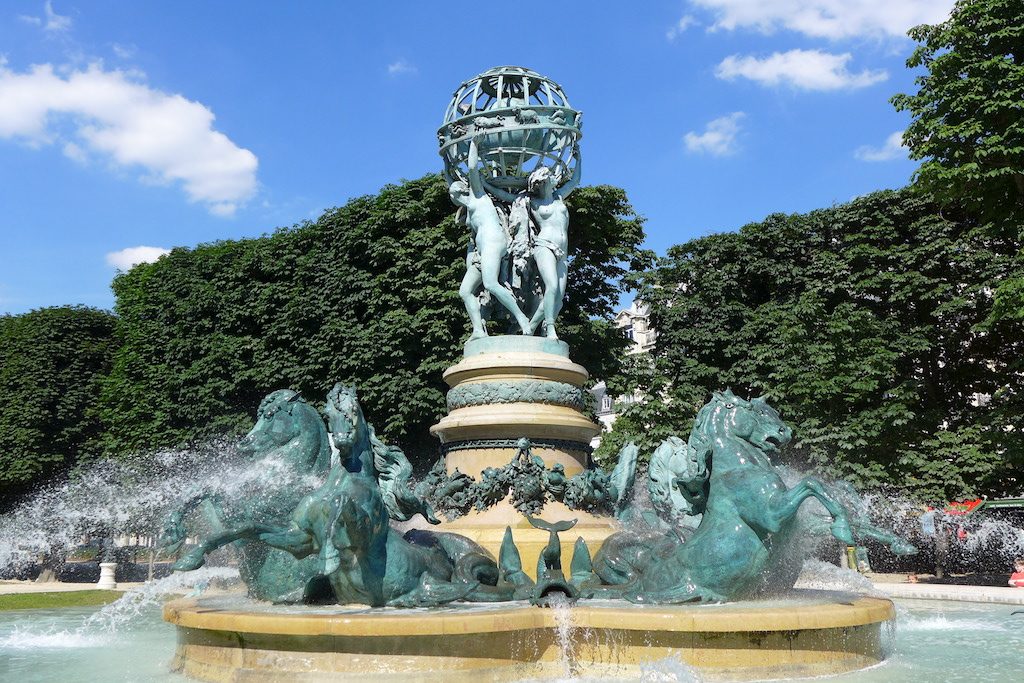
679, 471
694, 485
279, 396
340, 391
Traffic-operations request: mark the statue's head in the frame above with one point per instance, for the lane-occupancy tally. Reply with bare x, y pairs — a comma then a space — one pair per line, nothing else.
754, 421
344, 416
458, 191
278, 421
537, 179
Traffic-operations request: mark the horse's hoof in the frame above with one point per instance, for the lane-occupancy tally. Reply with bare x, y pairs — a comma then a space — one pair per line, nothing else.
190, 562
841, 530
903, 548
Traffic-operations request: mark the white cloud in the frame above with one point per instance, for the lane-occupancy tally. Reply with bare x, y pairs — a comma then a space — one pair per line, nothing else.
718, 138
685, 22
55, 23
123, 51
401, 67
893, 148
834, 19
115, 116
75, 152
132, 256
804, 69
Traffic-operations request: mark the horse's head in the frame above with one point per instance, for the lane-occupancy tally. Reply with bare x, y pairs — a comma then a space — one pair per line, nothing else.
281, 422
345, 419
678, 474
276, 423
752, 421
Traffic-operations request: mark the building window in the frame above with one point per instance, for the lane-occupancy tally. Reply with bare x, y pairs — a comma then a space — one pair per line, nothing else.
606, 403
628, 331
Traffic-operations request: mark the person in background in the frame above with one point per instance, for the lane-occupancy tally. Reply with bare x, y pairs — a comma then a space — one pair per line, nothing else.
1017, 577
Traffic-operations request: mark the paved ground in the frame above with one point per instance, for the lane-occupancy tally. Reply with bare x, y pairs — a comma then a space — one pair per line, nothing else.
976, 579
938, 591
12, 587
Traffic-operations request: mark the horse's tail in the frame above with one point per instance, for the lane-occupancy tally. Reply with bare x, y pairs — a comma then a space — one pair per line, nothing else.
563, 525
469, 561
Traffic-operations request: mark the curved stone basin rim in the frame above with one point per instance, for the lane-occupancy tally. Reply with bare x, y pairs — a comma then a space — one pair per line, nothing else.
840, 611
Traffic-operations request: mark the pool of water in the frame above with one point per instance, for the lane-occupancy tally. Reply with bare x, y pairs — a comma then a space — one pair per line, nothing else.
44, 646
933, 641
939, 641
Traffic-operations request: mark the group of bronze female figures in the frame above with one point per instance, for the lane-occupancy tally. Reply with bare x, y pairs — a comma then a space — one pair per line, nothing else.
529, 235
334, 542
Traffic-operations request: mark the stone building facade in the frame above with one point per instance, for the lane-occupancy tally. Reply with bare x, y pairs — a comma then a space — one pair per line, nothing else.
634, 322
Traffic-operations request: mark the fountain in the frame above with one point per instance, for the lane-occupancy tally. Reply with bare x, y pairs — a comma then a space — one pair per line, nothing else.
483, 592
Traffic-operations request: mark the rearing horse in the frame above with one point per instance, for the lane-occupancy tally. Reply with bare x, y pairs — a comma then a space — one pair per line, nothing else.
344, 526
749, 515
290, 441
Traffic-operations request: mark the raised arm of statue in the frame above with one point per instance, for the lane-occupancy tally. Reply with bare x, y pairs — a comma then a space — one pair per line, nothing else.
475, 180
574, 181
499, 193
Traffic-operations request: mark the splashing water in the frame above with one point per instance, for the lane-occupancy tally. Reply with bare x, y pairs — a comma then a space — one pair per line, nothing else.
669, 670
1005, 537
564, 628
942, 622
50, 638
819, 575
137, 601
101, 627
134, 497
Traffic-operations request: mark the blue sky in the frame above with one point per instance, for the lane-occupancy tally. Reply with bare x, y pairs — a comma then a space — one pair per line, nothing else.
126, 125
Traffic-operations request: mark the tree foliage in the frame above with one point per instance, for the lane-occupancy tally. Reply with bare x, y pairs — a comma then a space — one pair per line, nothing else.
366, 294
863, 324
51, 363
968, 119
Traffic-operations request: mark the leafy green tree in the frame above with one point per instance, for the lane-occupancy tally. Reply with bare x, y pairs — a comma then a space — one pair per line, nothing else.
968, 120
862, 322
51, 363
366, 294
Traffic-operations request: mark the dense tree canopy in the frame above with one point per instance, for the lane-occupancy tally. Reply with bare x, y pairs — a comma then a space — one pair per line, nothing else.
51, 361
863, 324
366, 294
968, 119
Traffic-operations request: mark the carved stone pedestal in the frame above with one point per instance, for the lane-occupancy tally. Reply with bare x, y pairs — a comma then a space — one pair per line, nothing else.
509, 387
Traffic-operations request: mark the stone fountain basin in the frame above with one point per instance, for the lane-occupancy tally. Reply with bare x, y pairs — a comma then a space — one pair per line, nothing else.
808, 633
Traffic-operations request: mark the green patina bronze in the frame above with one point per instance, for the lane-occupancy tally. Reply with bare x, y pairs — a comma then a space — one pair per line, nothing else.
289, 439
516, 391
338, 537
332, 541
746, 543
551, 579
510, 144
530, 485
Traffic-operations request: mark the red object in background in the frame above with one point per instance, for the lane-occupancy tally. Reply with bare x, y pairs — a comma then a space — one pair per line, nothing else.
962, 507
